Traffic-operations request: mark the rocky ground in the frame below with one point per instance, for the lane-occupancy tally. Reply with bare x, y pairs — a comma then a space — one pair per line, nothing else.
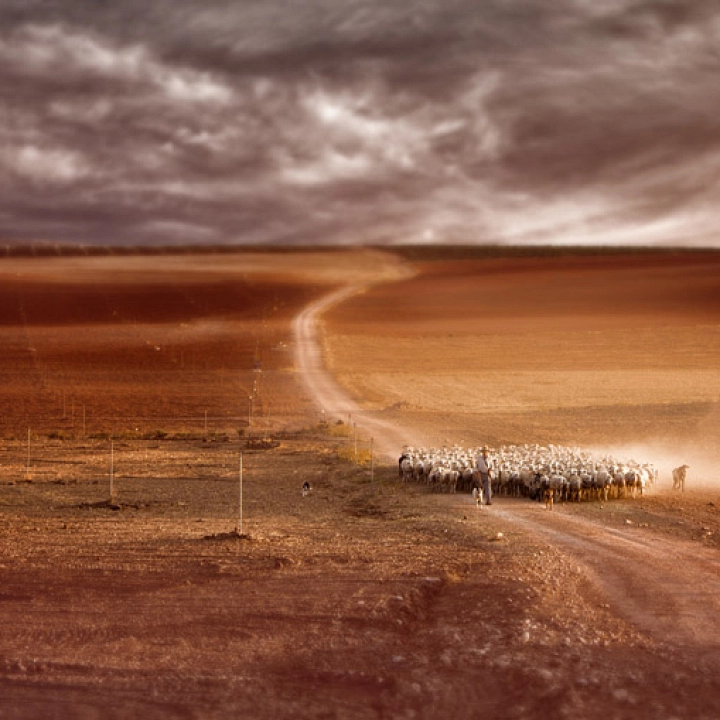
369, 597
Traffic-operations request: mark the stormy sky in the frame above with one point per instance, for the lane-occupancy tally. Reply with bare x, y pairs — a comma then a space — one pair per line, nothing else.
360, 121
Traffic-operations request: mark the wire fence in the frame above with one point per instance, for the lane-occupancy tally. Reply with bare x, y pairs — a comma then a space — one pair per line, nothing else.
202, 452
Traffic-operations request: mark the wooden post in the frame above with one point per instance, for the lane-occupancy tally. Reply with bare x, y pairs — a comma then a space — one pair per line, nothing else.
112, 472
372, 466
240, 498
27, 466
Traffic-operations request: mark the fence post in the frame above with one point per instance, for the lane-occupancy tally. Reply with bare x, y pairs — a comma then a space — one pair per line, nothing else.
112, 472
27, 465
240, 498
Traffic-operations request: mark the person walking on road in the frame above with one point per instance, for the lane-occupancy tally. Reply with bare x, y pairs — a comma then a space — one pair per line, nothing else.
484, 470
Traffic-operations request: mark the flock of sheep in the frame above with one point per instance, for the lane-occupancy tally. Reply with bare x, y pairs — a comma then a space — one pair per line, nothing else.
533, 471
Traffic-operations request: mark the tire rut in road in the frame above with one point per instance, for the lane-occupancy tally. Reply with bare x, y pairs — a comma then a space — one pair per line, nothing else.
667, 588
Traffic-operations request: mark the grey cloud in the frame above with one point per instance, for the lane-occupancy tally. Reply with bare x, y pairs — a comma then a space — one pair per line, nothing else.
648, 18
323, 121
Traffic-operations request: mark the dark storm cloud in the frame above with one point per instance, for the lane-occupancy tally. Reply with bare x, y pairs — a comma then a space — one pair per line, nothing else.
359, 121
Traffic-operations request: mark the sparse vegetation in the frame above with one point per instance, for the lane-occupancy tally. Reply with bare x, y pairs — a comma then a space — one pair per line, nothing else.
337, 429
348, 454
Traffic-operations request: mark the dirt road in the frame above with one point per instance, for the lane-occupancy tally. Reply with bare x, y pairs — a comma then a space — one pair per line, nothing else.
667, 588
330, 398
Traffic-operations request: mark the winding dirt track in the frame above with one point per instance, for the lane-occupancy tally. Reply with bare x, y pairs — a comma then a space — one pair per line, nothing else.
329, 397
667, 588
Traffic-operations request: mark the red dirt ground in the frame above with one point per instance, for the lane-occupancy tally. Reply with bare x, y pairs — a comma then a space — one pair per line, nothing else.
369, 597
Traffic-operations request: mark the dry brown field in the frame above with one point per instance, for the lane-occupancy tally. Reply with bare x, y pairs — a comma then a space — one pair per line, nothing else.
599, 350
135, 583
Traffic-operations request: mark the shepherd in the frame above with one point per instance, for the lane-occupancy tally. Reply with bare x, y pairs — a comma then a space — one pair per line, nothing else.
484, 470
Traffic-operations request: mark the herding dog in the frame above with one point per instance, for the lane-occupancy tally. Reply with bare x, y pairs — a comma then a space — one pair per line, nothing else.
478, 495
548, 496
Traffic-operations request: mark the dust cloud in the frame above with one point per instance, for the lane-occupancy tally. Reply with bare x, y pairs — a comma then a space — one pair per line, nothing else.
665, 455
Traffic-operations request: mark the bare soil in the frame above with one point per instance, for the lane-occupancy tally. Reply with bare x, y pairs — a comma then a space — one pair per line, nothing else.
133, 581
